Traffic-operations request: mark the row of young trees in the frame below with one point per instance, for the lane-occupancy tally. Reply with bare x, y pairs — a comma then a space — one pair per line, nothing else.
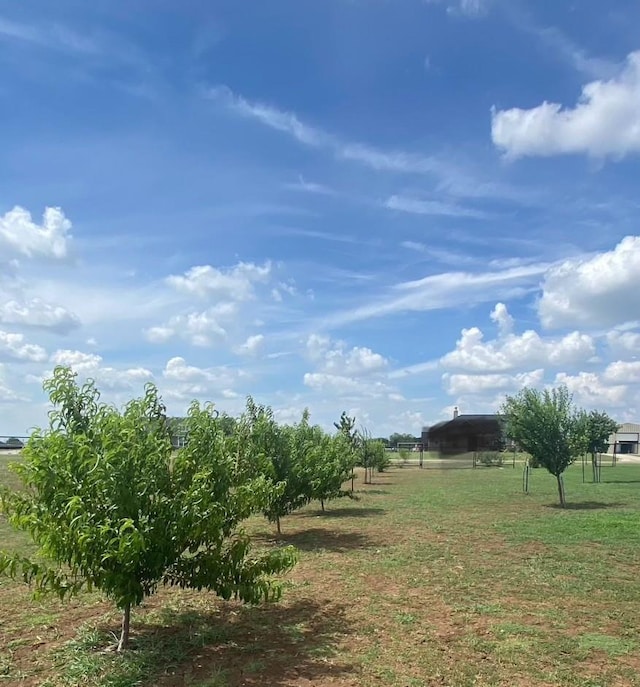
112, 506
554, 432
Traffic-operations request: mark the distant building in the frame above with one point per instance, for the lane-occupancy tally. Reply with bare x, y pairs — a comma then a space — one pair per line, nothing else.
626, 439
465, 434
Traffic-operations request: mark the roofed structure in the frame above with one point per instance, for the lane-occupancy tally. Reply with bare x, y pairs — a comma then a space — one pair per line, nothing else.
464, 434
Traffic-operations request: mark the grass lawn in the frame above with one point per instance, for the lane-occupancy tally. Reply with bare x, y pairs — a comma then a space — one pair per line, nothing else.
433, 577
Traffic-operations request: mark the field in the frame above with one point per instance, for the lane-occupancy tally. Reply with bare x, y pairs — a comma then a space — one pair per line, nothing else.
432, 577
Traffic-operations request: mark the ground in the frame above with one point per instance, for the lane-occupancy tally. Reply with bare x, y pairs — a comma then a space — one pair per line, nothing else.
432, 577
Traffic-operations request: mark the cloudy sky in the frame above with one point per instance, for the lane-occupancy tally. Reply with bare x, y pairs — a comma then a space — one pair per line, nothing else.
388, 207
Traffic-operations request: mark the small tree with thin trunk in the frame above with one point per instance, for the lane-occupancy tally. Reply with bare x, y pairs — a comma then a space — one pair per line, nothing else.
279, 454
347, 428
330, 464
596, 427
546, 425
112, 508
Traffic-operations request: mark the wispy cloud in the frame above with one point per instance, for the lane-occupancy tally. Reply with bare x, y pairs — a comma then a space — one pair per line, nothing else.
53, 36
444, 290
557, 41
305, 186
442, 255
418, 206
315, 137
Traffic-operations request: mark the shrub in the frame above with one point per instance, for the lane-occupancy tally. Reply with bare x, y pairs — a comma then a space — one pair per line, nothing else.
490, 459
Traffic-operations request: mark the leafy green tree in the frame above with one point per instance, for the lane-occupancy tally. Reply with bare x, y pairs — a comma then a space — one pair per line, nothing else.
330, 465
371, 455
279, 454
596, 427
112, 508
546, 425
346, 426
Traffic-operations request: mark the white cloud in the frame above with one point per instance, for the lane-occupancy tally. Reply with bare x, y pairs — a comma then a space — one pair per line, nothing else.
14, 346
468, 8
90, 365
597, 291
591, 390
236, 283
77, 360
512, 351
190, 382
500, 315
604, 122
35, 312
335, 358
198, 328
418, 206
315, 137
7, 394
20, 234
624, 342
252, 345
343, 385
623, 372
462, 384
309, 187
447, 289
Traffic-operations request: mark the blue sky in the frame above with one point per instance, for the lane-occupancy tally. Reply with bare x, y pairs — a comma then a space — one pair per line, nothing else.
385, 207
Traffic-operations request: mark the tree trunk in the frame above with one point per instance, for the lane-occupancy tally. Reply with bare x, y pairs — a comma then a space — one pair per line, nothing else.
278, 524
322, 504
123, 644
593, 466
353, 479
561, 491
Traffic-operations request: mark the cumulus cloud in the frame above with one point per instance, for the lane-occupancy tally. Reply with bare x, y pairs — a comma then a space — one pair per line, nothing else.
90, 365
590, 390
198, 328
189, 381
37, 313
598, 291
343, 385
624, 342
21, 235
500, 315
623, 372
335, 358
14, 346
462, 384
604, 122
236, 283
252, 345
511, 351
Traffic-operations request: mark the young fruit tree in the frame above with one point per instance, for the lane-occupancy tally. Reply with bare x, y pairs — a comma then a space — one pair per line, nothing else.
280, 456
346, 426
330, 464
111, 507
546, 425
596, 428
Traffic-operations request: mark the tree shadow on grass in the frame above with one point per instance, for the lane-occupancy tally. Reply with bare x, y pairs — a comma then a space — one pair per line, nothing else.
620, 481
319, 538
235, 645
355, 512
586, 505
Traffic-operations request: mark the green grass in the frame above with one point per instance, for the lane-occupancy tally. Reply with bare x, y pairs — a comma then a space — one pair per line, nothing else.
432, 577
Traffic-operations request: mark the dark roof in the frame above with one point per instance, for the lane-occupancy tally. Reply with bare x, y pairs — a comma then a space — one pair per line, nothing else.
465, 421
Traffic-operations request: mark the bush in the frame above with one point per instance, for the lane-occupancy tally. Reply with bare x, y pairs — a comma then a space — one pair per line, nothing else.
490, 459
